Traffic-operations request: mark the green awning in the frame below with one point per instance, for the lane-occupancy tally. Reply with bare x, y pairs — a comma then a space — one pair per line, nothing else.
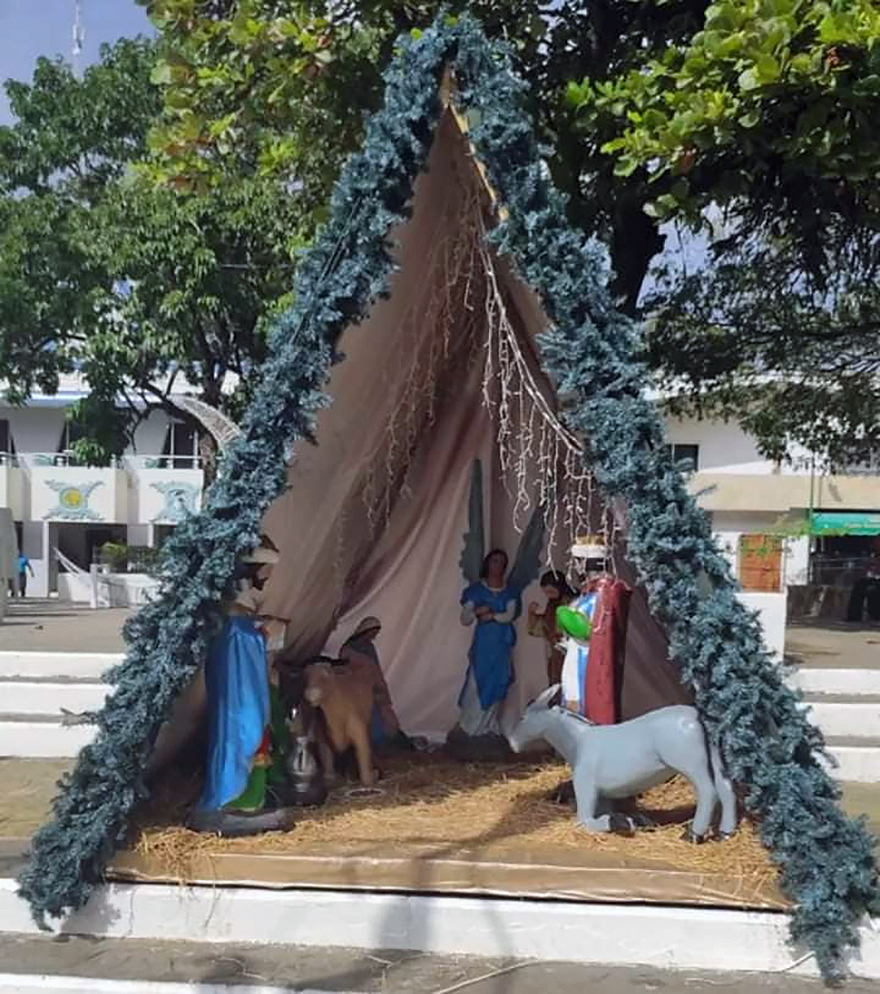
846, 523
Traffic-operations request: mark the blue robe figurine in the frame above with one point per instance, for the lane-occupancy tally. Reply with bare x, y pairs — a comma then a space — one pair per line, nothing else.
237, 682
490, 665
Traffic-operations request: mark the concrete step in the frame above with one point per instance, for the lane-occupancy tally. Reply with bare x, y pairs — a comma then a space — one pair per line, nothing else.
855, 682
36, 688
845, 714
647, 936
69, 665
41, 736
845, 704
858, 758
47, 697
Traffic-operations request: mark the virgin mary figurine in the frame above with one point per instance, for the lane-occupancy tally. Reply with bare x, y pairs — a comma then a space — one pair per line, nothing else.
492, 601
494, 606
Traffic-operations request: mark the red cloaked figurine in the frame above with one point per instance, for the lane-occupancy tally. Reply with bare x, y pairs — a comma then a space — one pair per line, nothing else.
592, 674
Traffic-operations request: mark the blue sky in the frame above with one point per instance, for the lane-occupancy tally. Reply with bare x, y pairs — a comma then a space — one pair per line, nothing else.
30, 28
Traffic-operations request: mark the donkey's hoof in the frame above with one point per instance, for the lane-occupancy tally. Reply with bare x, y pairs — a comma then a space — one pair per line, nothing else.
689, 835
724, 836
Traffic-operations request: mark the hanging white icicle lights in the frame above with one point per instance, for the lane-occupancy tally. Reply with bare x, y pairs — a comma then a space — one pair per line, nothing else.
545, 462
435, 341
462, 317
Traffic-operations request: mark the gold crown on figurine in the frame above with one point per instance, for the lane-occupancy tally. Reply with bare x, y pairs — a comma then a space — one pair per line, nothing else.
589, 547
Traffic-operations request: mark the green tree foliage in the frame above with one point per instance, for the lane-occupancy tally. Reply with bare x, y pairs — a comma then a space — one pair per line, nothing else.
280, 87
754, 121
102, 272
763, 129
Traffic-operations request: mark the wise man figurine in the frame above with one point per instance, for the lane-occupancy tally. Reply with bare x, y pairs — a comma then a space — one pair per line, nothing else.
592, 673
246, 731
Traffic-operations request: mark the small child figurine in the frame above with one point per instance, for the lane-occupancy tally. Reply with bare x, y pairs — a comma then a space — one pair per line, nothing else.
555, 588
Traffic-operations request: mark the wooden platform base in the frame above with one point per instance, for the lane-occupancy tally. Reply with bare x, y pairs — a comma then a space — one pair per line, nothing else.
508, 872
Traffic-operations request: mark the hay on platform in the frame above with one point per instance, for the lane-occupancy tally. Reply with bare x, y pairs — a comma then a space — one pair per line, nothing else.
448, 808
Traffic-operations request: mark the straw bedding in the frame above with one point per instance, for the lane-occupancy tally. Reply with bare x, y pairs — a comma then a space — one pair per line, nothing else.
451, 809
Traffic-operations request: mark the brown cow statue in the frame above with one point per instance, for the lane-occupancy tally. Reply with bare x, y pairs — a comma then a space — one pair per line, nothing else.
345, 698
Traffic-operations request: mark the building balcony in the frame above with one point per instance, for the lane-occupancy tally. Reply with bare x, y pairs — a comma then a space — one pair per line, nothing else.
779, 494
11, 490
164, 489
61, 492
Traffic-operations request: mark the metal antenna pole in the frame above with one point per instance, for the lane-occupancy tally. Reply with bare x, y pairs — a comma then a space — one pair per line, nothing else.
79, 34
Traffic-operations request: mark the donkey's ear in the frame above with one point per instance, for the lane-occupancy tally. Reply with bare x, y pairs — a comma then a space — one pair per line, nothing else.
546, 699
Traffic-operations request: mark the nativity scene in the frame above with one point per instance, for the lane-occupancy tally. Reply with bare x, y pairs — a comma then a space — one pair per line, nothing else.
451, 426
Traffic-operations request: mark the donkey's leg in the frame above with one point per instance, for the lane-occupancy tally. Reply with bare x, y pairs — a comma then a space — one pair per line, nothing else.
700, 779
586, 798
725, 791
682, 747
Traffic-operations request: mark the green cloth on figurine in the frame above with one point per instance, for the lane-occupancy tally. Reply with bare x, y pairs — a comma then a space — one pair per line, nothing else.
269, 769
254, 796
277, 773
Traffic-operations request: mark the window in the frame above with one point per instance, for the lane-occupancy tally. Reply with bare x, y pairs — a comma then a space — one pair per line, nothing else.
181, 446
71, 433
7, 445
687, 454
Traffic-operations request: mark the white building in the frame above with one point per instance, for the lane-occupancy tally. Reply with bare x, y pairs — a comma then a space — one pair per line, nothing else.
76, 509
762, 511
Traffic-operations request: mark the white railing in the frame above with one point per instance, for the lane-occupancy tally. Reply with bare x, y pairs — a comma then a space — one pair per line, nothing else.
100, 588
117, 462
42, 459
165, 462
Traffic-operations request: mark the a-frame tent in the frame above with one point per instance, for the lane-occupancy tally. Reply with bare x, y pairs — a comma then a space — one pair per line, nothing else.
585, 356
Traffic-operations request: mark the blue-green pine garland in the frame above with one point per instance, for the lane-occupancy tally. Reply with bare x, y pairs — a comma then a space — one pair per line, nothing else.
825, 860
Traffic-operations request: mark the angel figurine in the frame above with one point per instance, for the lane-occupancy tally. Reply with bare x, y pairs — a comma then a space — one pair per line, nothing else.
492, 602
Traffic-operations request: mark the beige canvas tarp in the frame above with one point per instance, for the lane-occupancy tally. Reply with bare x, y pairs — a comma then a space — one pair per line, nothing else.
374, 517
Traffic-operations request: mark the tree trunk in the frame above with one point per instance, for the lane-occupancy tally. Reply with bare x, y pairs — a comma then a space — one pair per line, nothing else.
634, 243
209, 453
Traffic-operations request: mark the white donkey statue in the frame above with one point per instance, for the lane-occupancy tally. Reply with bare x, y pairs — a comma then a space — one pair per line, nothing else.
616, 761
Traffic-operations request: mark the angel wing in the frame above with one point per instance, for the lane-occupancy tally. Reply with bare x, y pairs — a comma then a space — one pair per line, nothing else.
223, 429
471, 561
527, 564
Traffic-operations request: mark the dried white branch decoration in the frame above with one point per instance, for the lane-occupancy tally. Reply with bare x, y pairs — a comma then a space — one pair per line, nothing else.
223, 429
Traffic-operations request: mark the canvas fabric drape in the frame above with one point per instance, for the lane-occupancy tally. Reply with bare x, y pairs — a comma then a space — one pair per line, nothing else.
342, 559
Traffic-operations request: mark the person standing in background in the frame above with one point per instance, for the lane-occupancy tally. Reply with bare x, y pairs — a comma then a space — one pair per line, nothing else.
24, 565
